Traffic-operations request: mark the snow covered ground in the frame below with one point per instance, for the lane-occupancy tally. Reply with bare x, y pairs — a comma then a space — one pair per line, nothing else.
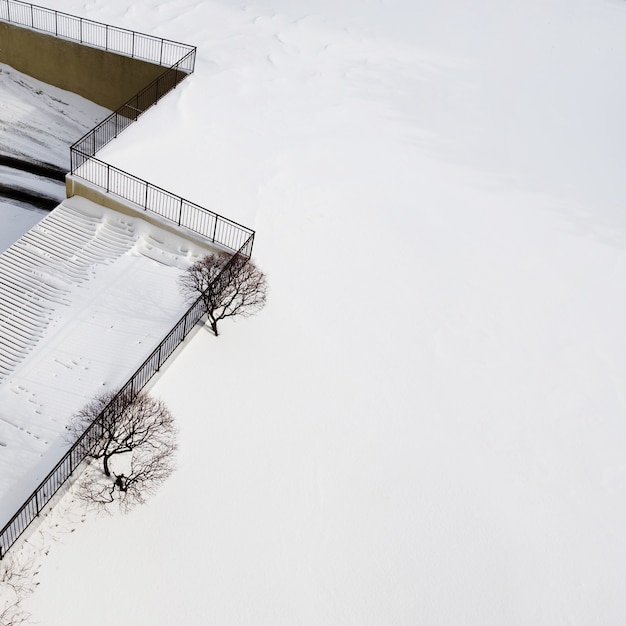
426, 424
16, 220
38, 123
85, 297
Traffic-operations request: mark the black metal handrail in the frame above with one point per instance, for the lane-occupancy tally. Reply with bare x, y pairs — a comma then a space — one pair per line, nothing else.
184, 213
150, 197
109, 128
79, 450
110, 38
140, 192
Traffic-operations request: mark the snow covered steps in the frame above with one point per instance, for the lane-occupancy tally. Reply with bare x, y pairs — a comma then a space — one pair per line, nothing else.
39, 271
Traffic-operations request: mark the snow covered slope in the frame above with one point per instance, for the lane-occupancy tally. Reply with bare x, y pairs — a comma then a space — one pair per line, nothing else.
38, 123
426, 425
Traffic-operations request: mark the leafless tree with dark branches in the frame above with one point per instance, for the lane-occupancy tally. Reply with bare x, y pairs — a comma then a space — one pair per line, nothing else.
17, 582
227, 289
134, 450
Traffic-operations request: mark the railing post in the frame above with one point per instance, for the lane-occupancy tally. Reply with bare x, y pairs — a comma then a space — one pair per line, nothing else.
145, 202
108, 178
56, 24
180, 212
214, 229
161, 53
32, 17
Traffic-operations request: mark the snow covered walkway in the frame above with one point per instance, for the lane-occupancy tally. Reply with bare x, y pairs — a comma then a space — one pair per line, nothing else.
85, 296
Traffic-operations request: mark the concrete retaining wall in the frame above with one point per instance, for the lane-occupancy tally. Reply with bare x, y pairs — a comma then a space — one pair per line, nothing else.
78, 187
103, 77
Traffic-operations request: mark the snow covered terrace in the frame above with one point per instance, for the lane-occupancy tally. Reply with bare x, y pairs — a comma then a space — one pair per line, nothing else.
89, 292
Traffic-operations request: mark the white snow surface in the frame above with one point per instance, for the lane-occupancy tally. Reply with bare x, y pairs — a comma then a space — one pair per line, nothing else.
38, 123
85, 297
15, 220
427, 424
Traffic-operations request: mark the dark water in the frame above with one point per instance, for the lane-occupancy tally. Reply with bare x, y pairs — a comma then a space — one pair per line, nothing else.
28, 188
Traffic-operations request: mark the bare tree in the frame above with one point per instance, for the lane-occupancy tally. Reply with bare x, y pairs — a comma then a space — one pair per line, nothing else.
133, 449
229, 286
17, 582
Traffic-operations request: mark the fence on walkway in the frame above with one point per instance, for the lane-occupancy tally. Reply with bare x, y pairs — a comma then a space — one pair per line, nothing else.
49, 486
180, 60
110, 38
107, 130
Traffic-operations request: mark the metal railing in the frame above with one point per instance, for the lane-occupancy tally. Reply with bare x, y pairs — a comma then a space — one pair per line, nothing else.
79, 450
110, 38
215, 227
180, 59
140, 192
130, 111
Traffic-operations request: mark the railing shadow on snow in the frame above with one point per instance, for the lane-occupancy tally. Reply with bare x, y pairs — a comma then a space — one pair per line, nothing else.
180, 62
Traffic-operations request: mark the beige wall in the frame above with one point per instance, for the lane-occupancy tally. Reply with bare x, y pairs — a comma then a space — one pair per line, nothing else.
106, 78
77, 187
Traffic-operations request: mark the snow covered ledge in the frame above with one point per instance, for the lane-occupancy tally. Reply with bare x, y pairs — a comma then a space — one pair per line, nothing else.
76, 186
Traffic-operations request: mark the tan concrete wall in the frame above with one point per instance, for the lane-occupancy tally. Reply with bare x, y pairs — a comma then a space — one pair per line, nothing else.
78, 187
106, 78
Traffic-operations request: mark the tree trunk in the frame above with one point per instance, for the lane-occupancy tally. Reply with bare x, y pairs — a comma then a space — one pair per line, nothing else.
107, 471
213, 323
